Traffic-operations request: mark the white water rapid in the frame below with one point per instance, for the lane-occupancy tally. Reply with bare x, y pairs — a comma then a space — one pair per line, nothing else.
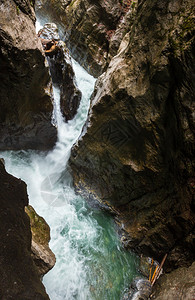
91, 263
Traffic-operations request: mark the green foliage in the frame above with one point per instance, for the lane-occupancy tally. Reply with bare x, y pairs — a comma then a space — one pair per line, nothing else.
17, 10
39, 228
133, 4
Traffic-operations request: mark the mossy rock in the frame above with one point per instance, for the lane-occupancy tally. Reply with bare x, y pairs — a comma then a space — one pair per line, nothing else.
39, 228
183, 38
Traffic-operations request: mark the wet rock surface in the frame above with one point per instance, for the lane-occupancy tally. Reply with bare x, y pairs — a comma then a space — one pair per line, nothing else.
19, 278
26, 92
42, 255
62, 72
140, 290
135, 154
91, 29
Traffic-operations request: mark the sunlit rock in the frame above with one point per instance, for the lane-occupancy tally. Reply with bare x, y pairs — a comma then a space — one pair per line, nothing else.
42, 255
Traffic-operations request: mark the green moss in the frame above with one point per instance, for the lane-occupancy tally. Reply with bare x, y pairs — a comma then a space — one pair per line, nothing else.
39, 228
133, 5
180, 40
188, 24
17, 10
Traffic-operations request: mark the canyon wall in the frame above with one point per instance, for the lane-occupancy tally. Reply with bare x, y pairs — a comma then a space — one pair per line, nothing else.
25, 123
19, 276
92, 29
135, 154
26, 91
62, 73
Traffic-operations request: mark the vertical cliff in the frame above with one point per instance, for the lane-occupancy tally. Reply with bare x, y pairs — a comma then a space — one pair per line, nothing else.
25, 84
62, 72
92, 29
19, 277
135, 154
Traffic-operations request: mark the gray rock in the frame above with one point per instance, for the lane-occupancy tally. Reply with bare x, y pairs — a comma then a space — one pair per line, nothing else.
140, 289
179, 284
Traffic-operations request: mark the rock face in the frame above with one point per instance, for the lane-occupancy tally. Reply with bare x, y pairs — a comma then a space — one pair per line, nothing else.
19, 278
140, 290
179, 284
135, 154
42, 255
92, 29
25, 98
62, 73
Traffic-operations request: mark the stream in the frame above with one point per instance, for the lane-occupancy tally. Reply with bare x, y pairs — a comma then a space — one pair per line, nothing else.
90, 260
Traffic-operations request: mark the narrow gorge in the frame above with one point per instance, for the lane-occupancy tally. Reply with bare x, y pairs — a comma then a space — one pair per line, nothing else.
97, 126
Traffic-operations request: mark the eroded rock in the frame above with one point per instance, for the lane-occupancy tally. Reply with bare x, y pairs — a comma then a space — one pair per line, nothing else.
179, 284
42, 255
26, 91
135, 154
88, 28
62, 72
19, 278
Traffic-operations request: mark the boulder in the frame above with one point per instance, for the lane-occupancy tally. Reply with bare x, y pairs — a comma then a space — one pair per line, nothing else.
62, 72
19, 277
140, 289
135, 154
42, 255
25, 84
179, 284
87, 27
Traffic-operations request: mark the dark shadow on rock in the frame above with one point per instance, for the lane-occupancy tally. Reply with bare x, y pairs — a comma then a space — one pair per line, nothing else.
62, 72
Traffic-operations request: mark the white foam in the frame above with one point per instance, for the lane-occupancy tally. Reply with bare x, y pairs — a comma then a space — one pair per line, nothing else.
38, 26
90, 264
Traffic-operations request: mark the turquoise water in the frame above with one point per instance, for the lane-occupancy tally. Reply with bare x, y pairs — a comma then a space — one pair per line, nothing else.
91, 264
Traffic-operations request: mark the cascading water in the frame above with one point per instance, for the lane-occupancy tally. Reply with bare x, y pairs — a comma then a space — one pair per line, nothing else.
91, 264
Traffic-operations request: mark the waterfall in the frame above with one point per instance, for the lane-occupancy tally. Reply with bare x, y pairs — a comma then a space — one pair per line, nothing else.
91, 263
